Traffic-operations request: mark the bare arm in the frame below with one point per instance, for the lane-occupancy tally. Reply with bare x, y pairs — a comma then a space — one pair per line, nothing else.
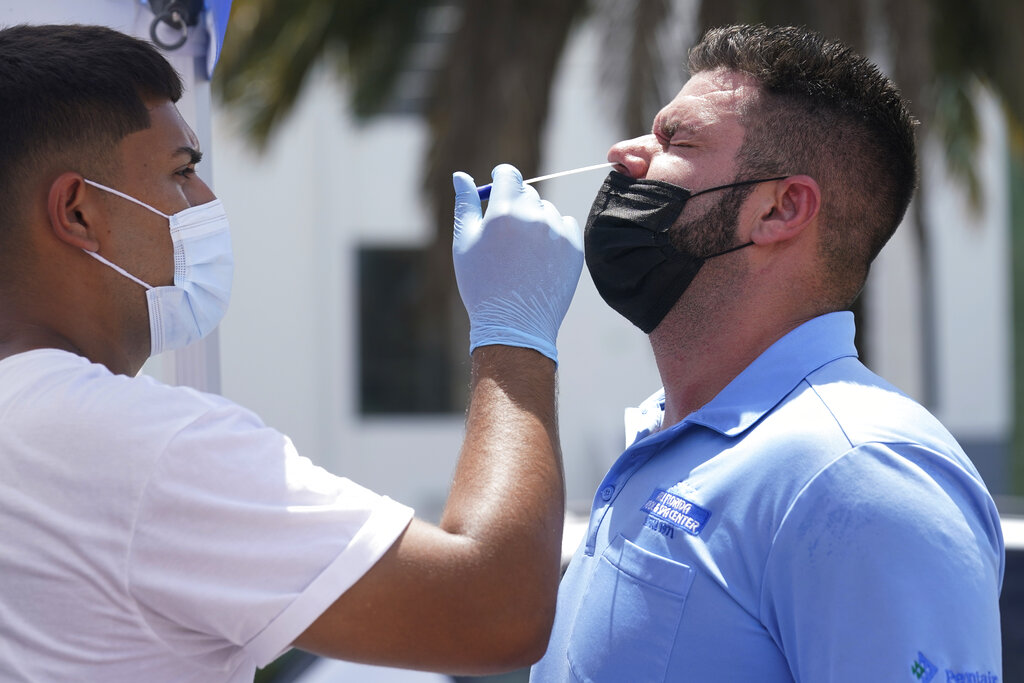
476, 594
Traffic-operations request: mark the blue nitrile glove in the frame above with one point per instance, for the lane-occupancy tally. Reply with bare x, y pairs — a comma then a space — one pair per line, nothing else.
517, 267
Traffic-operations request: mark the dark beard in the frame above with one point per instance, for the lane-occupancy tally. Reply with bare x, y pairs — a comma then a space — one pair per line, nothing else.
715, 231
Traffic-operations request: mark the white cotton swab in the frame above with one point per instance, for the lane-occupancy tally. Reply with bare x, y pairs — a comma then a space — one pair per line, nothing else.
484, 191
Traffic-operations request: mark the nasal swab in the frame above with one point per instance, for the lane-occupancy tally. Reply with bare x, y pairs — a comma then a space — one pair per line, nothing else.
485, 190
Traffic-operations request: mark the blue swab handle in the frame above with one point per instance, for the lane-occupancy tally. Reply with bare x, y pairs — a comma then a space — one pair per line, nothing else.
484, 192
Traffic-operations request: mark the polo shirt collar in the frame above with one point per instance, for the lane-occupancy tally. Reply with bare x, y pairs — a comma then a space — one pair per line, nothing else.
763, 383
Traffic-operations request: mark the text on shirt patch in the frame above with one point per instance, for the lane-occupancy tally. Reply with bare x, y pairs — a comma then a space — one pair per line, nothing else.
667, 508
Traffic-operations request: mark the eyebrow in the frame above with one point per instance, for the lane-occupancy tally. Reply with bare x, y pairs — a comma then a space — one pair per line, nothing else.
194, 155
669, 128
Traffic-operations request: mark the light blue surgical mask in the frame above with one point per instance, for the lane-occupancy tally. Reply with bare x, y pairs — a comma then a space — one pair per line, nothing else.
194, 305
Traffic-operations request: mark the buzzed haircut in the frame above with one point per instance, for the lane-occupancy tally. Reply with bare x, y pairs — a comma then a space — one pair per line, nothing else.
68, 95
824, 111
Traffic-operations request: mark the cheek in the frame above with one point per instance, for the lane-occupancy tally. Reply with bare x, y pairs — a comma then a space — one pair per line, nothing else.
707, 227
677, 170
164, 252
151, 250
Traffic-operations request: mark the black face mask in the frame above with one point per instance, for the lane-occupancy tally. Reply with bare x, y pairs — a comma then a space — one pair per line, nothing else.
629, 250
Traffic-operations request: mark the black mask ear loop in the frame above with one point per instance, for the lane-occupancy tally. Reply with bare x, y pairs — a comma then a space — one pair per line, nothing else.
739, 184
730, 250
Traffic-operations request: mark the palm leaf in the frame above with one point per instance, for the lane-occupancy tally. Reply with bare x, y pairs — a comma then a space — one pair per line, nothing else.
272, 46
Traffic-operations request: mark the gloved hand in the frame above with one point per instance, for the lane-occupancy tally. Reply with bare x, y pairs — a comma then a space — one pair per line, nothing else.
517, 267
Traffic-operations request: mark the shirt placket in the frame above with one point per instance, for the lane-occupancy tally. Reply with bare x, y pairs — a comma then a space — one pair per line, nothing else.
628, 463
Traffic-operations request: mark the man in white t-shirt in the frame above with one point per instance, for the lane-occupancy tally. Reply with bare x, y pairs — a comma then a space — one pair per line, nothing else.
155, 533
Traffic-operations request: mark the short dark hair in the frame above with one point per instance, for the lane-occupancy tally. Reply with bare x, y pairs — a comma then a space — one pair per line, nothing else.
824, 111
68, 95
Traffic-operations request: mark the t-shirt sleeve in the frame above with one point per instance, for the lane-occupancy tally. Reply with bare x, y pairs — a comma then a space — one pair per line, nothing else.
240, 543
887, 567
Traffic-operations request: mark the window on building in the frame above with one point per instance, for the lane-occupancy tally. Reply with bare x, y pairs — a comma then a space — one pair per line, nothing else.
408, 360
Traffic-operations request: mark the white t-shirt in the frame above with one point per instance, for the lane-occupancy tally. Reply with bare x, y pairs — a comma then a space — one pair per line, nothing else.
155, 533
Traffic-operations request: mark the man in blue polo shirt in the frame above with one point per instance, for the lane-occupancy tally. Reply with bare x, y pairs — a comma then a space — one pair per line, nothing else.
780, 513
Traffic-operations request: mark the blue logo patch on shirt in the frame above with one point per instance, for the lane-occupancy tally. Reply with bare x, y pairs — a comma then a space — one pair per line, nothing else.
676, 511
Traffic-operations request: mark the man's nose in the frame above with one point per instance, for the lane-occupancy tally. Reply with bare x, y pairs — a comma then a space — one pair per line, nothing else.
198, 192
633, 155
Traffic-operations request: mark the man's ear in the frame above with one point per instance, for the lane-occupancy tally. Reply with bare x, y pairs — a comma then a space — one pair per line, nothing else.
793, 206
71, 209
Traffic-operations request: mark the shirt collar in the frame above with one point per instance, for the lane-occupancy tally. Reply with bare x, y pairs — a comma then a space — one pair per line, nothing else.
762, 384
646, 418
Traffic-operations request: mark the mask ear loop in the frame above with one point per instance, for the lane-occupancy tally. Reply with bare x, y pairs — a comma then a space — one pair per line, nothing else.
130, 198
739, 184
729, 250
118, 269
103, 260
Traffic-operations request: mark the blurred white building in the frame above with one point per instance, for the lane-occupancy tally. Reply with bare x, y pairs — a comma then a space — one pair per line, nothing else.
327, 187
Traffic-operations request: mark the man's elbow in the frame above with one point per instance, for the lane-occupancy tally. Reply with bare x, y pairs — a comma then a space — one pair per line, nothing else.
520, 635
535, 636
510, 647
505, 610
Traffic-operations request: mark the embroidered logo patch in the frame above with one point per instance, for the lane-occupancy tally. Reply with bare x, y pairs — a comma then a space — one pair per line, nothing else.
676, 511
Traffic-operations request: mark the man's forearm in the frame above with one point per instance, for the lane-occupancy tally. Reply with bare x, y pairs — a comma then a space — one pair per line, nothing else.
477, 594
508, 495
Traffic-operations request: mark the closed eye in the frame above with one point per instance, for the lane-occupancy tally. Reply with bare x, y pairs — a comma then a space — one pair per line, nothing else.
194, 157
675, 134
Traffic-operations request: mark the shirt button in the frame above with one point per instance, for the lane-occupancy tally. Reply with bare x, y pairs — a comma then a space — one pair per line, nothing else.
606, 493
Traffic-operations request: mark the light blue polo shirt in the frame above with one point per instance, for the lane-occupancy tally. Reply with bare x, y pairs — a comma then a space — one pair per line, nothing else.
810, 523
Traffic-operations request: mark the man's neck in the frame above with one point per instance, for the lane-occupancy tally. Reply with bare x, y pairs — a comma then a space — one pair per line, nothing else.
19, 336
696, 364
22, 332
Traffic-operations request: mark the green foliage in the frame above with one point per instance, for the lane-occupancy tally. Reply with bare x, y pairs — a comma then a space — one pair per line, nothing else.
272, 46
971, 44
957, 125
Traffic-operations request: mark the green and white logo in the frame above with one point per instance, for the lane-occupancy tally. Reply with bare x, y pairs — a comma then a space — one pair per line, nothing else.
922, 669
